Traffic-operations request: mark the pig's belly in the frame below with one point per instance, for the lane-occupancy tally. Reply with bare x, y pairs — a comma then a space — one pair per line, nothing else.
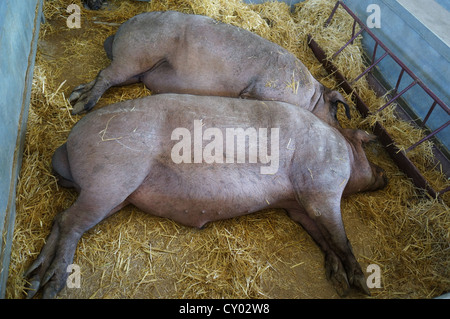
195, 197
164, 79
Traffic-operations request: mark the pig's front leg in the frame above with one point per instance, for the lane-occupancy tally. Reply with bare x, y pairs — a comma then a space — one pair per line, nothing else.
80, 91
49, 271
117, 73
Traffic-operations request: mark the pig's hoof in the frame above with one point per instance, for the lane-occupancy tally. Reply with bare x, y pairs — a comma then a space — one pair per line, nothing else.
358, 281
81, 96
79, 92
76, 93
83, 106
78, 108
336, 274
50, 285
33, 288
78, 97
50, 278
50, 291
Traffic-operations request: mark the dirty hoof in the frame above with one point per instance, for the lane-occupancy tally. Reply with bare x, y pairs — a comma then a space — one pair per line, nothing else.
336, 274
33, 288
358, 281
48, 272
50, 280
76, 93
83, 105
78, 108
81, 96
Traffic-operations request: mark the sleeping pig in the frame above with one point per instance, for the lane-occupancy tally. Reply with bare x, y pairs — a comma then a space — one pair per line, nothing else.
198, 159
173, 52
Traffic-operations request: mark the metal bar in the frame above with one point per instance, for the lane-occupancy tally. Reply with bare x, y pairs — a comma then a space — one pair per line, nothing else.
441, 156
397, 95
429, 113
399, 79
402, 161
369, 68
428, 136
392, 55
397, 155
349, 41
353, 29
374, 52
332, 14
331, 69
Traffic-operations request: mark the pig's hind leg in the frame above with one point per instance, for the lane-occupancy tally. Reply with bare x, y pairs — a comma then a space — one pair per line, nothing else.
321, 218
49, 270
335, 270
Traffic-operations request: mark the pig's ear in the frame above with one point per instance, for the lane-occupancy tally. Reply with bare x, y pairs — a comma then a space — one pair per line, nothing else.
335, 97
358, 137
364, 136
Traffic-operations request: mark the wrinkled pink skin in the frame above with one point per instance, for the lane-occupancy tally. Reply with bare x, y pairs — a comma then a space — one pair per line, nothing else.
121, 154
173, 52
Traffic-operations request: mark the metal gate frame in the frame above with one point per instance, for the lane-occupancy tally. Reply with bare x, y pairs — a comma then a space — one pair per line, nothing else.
399, 156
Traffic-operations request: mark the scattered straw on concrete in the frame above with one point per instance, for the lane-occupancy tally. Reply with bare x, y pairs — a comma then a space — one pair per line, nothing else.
263, 255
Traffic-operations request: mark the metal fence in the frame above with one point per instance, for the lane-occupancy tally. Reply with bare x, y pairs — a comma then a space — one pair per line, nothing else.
399, 156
